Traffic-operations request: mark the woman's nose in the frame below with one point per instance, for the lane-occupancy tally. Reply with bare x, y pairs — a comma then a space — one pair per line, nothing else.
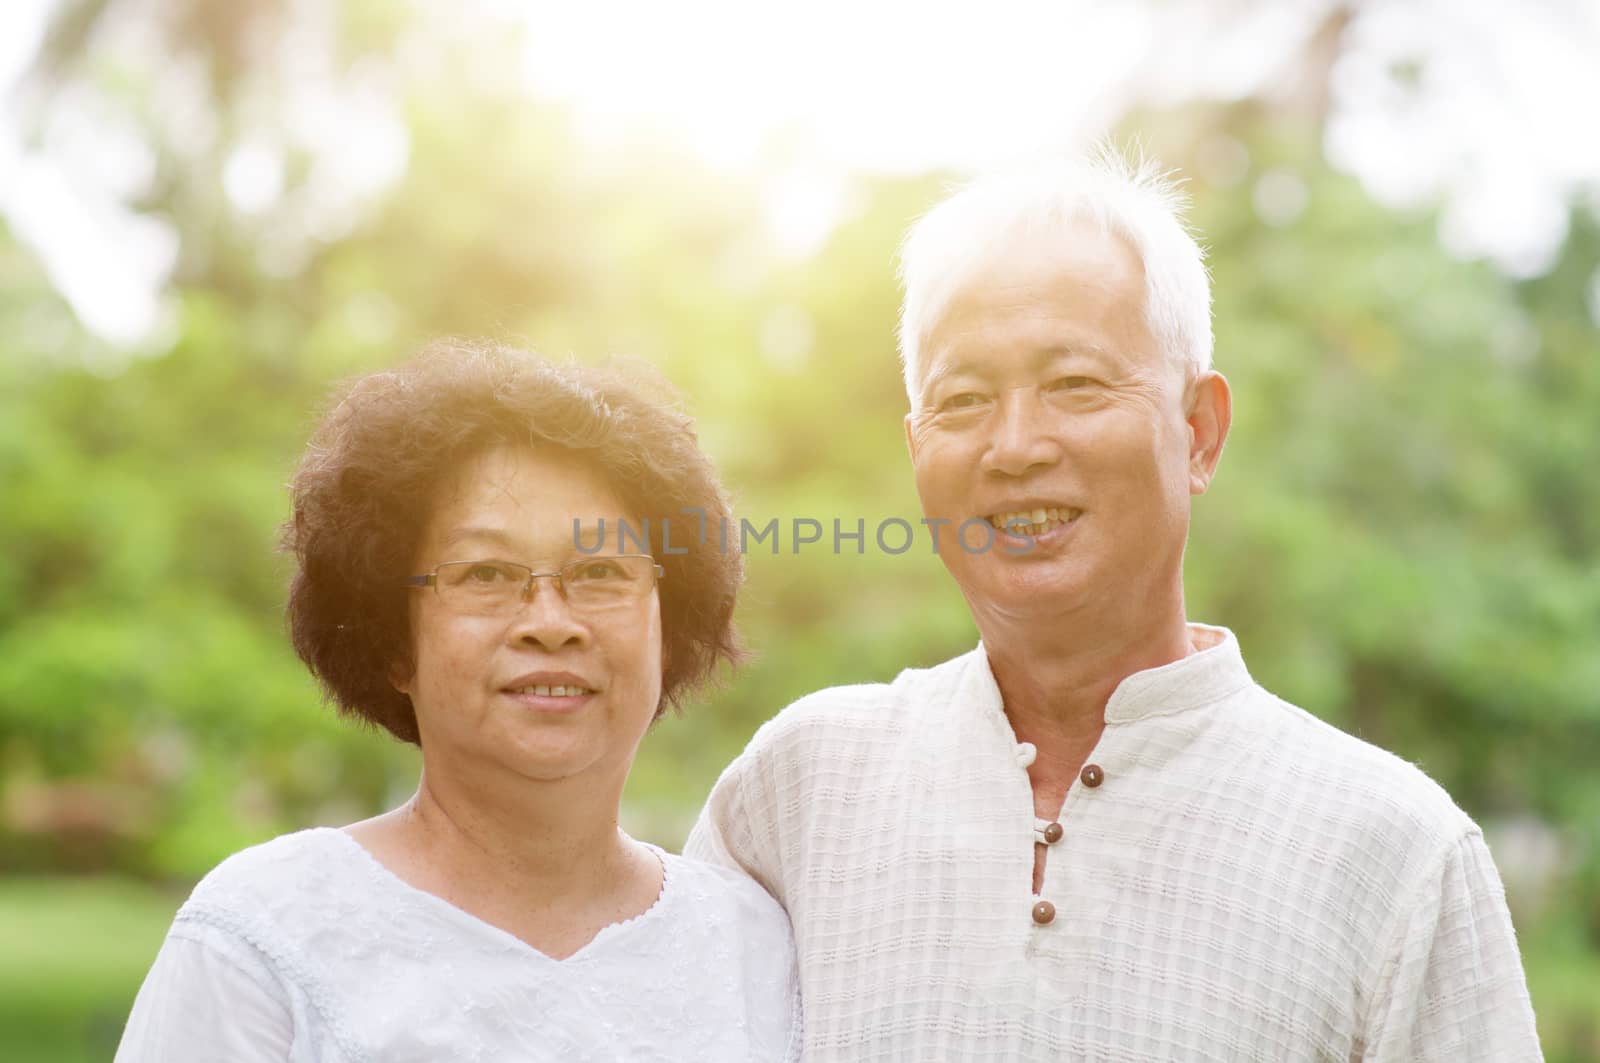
546, 617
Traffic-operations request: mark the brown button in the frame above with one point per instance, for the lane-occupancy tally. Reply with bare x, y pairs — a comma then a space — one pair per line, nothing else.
1092, 775
1052, 833
1043, 912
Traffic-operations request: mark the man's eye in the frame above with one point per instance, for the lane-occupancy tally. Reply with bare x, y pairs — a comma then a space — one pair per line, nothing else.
966, 400
1069, 383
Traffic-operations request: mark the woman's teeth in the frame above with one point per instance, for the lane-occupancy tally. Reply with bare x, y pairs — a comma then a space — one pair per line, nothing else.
553, 692
1035, 522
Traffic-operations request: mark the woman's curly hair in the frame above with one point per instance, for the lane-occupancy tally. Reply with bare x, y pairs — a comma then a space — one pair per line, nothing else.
363, 492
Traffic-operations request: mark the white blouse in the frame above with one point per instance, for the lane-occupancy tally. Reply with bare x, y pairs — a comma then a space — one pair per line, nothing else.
308, 949
1230, 879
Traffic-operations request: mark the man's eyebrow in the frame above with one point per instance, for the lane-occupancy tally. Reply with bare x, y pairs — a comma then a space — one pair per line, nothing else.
1071, 350
1041, 357
965, 367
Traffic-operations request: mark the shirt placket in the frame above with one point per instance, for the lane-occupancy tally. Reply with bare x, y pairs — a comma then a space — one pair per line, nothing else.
1053, 896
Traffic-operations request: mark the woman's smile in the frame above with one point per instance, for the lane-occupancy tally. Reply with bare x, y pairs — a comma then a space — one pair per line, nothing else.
552, 692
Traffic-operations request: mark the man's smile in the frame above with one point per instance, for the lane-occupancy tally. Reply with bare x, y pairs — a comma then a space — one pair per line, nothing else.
1033, 521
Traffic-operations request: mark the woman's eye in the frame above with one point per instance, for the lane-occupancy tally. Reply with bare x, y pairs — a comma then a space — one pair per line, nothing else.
487, 574
596, 570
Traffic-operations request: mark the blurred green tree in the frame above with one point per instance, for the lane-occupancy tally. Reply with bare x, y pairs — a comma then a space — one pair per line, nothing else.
1404, 532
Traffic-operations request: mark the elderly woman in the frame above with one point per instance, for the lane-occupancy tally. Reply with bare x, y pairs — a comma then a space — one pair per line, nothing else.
464, 584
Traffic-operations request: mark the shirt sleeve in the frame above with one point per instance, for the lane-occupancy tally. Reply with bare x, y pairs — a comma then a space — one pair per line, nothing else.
708, 839
1452, 988
728, 834
201, 1002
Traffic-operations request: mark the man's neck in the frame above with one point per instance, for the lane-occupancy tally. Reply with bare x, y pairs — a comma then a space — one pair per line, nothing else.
1055, 681
1056, 677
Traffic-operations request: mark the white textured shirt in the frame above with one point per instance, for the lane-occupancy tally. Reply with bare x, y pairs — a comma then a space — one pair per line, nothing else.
308, 949
1241, 882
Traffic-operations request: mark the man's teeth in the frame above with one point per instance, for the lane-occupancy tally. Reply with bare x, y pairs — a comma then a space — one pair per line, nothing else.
553, 692
1034, 521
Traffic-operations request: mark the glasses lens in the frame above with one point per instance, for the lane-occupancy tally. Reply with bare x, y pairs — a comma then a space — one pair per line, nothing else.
481, 586
601, 581
589, 583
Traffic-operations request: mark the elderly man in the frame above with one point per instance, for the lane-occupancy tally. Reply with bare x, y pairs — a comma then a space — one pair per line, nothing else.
1094, 836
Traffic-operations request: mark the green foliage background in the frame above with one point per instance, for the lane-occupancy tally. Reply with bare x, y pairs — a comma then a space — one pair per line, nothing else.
1404, 533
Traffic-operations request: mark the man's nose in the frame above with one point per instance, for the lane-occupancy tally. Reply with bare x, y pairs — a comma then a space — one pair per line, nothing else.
1023, 439
544, 616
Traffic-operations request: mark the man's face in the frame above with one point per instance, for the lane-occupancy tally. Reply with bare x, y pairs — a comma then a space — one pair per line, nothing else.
1044, 398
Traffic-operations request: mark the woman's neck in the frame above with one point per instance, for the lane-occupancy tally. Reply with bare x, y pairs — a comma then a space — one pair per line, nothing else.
537, 859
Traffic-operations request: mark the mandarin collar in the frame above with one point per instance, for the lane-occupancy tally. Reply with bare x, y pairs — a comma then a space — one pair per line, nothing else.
1202, 678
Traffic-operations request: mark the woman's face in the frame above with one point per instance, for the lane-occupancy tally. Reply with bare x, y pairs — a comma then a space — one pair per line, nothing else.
478, 677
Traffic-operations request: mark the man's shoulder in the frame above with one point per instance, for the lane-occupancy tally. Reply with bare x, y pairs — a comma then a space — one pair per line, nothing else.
1355, 783
859, 714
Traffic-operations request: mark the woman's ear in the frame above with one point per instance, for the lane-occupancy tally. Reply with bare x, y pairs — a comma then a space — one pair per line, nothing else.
401, 674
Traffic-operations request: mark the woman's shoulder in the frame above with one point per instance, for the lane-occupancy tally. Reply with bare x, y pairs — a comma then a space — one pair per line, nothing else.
260, 884
288, 857
714, 879
271, 910
725, 896
267, 937
739, 940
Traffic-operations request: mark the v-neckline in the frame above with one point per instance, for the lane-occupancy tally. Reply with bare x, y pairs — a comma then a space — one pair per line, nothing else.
383, 873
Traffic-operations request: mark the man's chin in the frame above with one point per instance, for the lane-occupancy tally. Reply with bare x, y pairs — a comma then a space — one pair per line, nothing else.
1045, 592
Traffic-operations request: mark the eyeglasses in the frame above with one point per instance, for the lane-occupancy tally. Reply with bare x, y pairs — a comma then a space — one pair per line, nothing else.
491, 588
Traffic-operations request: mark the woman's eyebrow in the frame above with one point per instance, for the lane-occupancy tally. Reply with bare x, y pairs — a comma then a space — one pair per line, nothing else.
492, 536
587, 530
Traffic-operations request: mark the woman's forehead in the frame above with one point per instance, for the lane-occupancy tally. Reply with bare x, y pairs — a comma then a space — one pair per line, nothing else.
519, 496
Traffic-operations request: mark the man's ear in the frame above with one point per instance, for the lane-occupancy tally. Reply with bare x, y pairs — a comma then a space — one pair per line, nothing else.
911, 437
1210, 416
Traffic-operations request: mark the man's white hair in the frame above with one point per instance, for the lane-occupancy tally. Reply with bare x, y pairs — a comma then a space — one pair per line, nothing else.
1132, 198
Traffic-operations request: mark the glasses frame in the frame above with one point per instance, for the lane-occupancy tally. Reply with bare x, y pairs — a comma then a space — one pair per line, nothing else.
431, 579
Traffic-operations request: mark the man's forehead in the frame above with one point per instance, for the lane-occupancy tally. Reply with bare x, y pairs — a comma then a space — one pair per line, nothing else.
1054, 292
1031, 326
1013, 269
